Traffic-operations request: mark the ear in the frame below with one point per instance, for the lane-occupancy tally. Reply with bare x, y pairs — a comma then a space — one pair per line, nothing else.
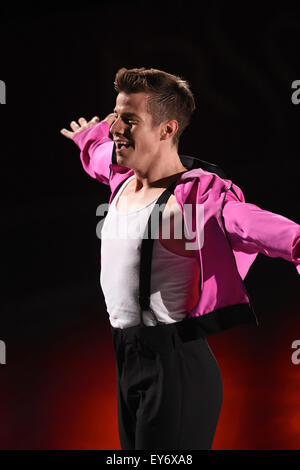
169, 129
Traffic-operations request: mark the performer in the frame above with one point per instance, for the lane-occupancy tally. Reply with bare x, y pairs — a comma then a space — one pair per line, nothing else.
169, 384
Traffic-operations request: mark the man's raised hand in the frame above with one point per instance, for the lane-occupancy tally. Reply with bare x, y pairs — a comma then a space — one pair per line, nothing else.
83, 124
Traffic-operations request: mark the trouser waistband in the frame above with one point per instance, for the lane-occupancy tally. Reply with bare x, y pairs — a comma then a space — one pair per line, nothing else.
184, 329
191, 328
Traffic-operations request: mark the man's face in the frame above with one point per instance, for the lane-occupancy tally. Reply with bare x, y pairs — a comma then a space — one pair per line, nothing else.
133, 126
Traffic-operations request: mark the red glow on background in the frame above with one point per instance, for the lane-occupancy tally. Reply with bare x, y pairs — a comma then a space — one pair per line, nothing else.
83, 394
70, 401
261, 400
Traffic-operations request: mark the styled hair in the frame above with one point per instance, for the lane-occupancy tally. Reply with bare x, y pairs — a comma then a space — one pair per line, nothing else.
170, 96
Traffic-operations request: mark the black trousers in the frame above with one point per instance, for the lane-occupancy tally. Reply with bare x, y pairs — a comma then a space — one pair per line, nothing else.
169, 389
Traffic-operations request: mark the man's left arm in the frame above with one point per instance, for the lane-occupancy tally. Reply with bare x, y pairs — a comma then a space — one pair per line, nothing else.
252, 229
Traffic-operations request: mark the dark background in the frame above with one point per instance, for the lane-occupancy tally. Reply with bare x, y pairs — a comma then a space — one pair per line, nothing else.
58, 62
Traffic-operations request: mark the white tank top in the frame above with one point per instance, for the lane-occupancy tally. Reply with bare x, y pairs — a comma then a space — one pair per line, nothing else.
174, 278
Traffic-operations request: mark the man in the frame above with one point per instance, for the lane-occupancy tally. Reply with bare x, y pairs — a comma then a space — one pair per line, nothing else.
169, 383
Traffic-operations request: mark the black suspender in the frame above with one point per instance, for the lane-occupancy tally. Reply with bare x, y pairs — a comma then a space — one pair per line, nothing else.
147, 248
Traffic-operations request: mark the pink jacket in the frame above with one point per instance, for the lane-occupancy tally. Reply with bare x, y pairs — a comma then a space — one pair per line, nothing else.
234, 231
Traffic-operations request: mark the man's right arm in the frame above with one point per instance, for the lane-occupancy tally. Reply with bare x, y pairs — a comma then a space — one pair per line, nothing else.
95, 145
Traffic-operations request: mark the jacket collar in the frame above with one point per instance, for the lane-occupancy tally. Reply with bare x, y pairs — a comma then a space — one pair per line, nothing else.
189, 174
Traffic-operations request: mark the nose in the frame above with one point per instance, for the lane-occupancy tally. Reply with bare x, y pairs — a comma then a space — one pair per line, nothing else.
117, 127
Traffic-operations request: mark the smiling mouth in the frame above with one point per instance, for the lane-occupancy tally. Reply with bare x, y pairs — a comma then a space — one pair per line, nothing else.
122, 145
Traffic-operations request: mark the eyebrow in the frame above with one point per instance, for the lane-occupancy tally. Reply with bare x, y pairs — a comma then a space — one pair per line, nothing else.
128, 114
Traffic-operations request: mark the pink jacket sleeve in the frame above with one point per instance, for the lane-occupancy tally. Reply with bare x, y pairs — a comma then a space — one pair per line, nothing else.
96, 150
254, 230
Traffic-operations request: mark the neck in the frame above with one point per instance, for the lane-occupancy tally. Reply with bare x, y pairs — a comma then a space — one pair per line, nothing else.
160, 173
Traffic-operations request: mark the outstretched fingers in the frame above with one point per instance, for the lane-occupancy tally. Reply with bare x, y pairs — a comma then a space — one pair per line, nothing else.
83, 124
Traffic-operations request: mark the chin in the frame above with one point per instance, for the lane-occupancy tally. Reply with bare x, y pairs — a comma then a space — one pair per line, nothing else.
121, 160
